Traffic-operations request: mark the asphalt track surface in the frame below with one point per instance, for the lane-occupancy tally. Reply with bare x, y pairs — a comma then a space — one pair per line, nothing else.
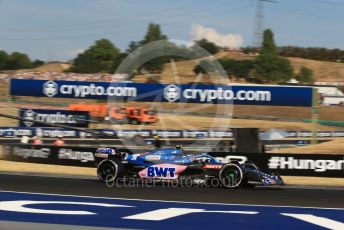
88, 186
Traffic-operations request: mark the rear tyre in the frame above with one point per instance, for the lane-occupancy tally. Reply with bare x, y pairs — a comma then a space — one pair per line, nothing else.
231, 175
109, 170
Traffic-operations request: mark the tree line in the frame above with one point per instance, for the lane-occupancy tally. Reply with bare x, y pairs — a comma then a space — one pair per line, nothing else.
104, 56
314, 53
17, 60
268, 67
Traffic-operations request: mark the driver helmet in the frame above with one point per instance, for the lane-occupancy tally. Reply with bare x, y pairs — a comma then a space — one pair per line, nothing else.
179, 147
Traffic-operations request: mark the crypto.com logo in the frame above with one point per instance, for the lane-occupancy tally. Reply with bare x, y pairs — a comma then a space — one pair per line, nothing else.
29, 116
171, 93
50, 88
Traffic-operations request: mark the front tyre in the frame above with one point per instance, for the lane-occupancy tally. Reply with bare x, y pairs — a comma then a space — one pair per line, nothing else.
109, 170
231, 175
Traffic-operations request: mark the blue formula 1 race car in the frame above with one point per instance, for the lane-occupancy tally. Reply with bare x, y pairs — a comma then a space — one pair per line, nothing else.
173, 164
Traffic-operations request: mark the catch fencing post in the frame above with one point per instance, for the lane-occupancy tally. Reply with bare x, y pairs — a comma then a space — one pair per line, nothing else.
315, 115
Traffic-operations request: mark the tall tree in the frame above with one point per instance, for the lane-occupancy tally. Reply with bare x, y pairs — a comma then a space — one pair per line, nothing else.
153, 34
269, 67
17, 60
3, 59
305, 75
99, 57
132, 46
162, 52
273, 69
37, 63
269, 46
207, 45
118, 60
237, 68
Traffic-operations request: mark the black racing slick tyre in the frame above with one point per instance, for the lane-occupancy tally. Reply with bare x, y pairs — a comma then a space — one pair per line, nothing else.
231, 175
109, 170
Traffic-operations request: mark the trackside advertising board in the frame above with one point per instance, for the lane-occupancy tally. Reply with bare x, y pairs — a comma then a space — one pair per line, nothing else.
212, 94
47, 154
61, 117
318, 165
51, 132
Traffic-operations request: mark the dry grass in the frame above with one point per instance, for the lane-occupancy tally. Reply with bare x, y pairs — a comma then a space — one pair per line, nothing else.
319, 181
332, 113
175, 121
50, 67
6, 121
185, 74
332, 147
323, 71
11, 166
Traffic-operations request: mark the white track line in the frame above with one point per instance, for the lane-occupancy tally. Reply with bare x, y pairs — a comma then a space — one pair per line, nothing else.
168, 201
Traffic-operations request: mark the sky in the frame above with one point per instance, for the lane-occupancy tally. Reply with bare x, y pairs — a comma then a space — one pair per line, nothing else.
57, 30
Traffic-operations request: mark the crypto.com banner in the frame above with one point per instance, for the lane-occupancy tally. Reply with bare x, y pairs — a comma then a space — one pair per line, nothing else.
214, 94
49, 116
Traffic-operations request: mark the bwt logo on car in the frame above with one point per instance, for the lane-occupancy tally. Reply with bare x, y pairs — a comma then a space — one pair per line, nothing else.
160, 172
316, 165
172, 93
51, 88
